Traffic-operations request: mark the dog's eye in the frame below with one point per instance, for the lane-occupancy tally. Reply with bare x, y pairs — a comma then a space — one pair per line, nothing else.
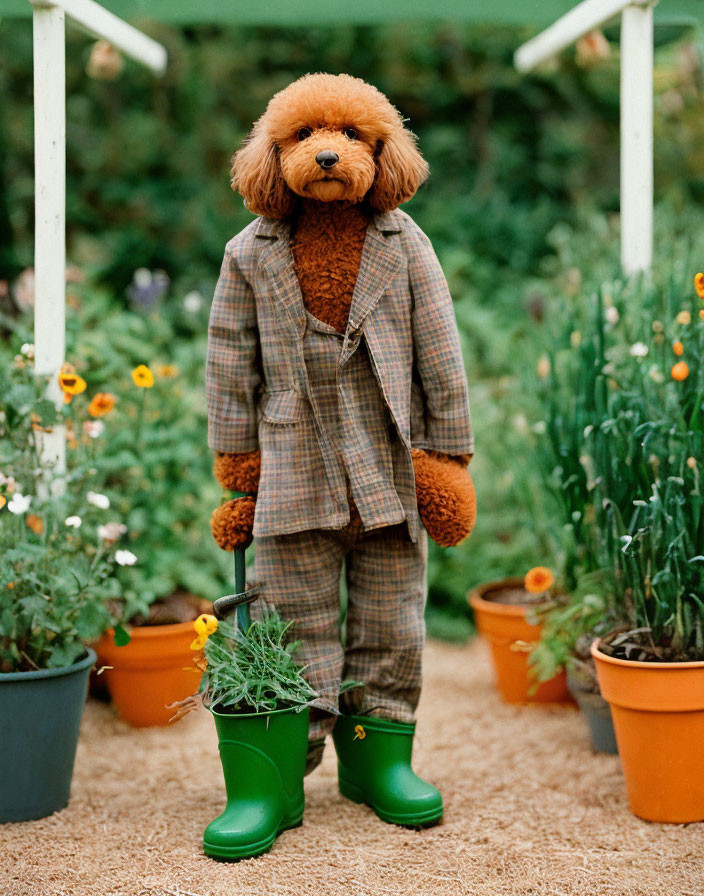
304, 133
350, 133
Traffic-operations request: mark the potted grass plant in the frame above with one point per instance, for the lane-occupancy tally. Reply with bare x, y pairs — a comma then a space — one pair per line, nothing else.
641, 453
56, 581
258, 697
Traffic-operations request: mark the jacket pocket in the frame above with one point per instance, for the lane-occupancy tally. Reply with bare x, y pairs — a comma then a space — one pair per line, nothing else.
282, 408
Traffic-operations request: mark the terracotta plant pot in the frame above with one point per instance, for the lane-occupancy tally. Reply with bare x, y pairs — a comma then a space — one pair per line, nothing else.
155, 669
658, 713
509, 636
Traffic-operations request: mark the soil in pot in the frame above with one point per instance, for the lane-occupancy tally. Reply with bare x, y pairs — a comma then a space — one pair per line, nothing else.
156, 668
41, 714
500, 611
658, 713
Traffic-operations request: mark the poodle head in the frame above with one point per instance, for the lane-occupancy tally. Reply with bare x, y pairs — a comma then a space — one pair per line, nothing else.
328, 137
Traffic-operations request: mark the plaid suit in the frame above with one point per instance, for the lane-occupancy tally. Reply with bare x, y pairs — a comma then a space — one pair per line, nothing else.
257, 385
334, 414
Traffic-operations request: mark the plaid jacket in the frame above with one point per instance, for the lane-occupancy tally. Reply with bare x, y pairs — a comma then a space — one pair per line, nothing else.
257, 387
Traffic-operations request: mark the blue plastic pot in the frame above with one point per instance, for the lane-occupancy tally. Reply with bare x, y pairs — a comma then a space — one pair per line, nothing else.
41, 717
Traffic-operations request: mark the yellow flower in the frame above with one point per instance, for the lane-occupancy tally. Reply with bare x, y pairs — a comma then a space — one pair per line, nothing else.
3, 501
198, 643
143, 377
678, 348
538, 579
71, 383
684, 317
680, 371
699, 285
101, 404
205, 624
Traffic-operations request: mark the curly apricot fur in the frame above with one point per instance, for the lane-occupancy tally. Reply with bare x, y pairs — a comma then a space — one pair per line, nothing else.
447, 501
381, 166
231, 523
238, 472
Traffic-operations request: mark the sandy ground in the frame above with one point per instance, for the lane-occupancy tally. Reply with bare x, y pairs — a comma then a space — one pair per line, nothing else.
529, 810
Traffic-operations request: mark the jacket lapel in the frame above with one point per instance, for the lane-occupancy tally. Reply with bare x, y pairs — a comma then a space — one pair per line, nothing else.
276, 263
381, 259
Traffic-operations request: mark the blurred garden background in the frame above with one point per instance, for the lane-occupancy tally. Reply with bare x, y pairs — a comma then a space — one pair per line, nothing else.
521, 206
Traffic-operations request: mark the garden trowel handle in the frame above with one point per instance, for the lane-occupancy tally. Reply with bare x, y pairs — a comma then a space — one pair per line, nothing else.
241, 599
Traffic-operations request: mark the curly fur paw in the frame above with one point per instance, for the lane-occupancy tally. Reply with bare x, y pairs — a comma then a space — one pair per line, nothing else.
447, 502
238, 472
231, 523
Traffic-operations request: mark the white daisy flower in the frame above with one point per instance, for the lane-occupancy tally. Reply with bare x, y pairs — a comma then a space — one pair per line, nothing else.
193, 301
98, 500
19, 503
639, 350
94, 428
28, 350
73, 522
111, 531
125, 558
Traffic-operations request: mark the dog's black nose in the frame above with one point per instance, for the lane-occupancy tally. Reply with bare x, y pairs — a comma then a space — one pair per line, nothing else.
326, 158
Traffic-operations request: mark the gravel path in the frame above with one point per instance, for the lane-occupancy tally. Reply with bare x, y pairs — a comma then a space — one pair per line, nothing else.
529, 811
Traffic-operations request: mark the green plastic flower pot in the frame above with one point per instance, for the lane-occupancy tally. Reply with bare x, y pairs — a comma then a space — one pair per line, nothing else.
263, 759
41, 713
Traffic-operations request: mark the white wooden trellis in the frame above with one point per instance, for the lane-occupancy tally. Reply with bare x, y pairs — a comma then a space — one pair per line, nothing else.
636, 108
50, 176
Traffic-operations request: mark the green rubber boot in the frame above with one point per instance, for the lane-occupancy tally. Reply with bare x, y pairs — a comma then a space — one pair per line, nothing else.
263, 759
374, 767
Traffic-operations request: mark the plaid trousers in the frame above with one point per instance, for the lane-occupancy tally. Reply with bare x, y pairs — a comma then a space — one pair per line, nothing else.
299, 574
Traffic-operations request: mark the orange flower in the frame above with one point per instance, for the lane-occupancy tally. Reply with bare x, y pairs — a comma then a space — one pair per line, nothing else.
538, 579
35, 523
71, 383
143, 377
701, 313
678, 348
680, 371
3, 501
101, 404
699, 285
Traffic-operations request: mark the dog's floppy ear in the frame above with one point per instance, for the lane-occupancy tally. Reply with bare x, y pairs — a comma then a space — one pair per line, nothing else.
401, 169
256, 175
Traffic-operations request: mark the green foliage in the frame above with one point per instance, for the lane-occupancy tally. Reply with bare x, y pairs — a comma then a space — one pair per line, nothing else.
622, 456
57, 573
254, 670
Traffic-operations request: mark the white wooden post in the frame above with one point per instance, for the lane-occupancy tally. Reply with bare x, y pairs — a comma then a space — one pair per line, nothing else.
50, 212
636, 138
50, 180
636, 108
